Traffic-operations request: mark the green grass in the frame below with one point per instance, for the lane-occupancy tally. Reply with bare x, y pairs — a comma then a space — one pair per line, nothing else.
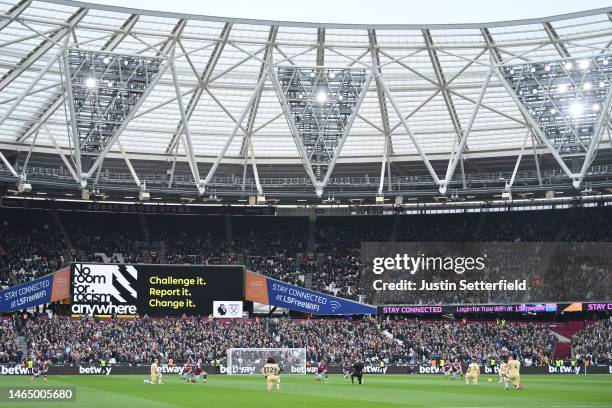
301, 391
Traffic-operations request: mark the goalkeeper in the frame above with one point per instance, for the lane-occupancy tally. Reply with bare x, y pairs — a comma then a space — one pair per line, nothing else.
271, 370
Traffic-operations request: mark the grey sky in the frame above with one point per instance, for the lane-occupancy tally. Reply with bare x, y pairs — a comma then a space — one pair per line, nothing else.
370, 11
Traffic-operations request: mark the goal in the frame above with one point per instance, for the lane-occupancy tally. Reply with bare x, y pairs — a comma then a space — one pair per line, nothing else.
251, 360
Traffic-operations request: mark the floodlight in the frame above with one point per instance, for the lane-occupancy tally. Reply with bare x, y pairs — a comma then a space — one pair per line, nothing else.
90, 82
106, 60
535, 90
339, 97
584, 65
587, 86
547, 68
576, 109
563, 88
312, 74
568, 65
553, 111
605, 62
595, 107
532, 69
602, 84
332, 74
321, 97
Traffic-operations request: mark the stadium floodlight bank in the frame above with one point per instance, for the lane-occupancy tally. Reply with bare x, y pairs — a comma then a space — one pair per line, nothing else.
248, 361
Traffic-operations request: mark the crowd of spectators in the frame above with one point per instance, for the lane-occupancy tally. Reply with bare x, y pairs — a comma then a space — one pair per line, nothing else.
29, 247
594, 343
278, 247
86, 340
9, 351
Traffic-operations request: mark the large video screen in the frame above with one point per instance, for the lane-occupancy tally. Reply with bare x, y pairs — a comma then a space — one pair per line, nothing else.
153, 290
461, 273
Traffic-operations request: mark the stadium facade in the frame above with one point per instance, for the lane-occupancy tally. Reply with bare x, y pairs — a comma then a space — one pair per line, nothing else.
133, 104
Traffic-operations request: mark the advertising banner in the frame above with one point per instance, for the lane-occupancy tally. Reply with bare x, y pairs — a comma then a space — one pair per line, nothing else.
276, 293
518, 308
153, 290
49, 288
12, 370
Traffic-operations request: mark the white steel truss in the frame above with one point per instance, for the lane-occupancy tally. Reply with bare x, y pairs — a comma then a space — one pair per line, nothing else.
450, 102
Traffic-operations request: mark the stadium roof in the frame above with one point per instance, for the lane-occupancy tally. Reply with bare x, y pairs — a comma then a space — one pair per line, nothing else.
417, 108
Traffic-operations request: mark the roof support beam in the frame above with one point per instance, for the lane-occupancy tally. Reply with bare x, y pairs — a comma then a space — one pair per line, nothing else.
129, 165
554, 39
382, 102
384, 113
15, 12
415, 142
185, 128
247, 141
497, 59
320, 47
169, 45
597, 135
448, 100
452, 164
58, 99
534, 126
253, 114
435, 61
42, 48
204, 79
24, 93
295, 133
237, 126
62, 155
345, 133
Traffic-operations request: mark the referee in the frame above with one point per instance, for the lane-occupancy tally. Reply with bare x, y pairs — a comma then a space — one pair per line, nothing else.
357, 372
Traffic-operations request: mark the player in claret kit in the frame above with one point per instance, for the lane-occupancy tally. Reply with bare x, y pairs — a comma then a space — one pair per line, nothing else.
42, 367
187, 371
346, 370
199, 374
456, 369
322, 371
446, 369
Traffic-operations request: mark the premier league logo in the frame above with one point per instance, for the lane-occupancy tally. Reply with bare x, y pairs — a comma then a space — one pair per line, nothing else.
222, 310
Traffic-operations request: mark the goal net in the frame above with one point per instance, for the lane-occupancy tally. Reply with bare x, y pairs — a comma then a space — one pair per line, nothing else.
251, 360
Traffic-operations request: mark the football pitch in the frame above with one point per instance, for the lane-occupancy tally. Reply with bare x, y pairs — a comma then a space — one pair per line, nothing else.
301, 391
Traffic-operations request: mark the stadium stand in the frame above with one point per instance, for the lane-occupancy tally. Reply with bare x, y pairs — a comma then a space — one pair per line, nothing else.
394, 341
278, 247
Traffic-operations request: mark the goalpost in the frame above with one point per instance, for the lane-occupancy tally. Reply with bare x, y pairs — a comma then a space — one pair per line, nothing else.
251, 360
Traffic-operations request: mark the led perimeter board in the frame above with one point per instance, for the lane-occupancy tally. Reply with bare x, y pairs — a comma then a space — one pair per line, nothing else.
153, 290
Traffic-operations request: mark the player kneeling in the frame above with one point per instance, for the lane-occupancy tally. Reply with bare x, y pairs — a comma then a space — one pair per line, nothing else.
446, 370
347, 369
271, 370
473, 372
199, 375
455, 369
322, 371
187, 372
156, 377
41, 369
